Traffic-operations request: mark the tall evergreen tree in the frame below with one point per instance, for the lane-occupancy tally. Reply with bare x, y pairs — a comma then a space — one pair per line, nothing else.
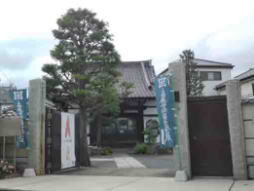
194, 83
86, 71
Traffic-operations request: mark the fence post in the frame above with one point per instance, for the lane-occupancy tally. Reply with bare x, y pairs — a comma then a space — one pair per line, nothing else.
236, 130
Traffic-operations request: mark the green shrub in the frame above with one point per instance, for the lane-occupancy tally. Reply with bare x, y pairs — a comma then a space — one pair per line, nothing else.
106, 151
141, 148
6, 169
151, 131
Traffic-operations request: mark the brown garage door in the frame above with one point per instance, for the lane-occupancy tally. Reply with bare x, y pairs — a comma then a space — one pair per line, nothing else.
209, 136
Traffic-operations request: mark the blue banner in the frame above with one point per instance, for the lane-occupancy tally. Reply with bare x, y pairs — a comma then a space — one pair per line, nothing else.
165, 107
20, 101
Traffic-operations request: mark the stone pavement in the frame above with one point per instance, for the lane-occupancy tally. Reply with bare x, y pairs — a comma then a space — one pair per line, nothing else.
109, 183
133, 161
121, 161
126, 161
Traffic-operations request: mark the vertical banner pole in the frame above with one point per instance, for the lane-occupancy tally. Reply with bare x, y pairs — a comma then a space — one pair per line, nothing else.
4, 148
176, 114
14, 152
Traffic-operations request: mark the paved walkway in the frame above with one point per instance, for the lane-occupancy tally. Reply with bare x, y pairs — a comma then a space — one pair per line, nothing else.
133, 161
126, 172
120, 164
106, 183
122, 161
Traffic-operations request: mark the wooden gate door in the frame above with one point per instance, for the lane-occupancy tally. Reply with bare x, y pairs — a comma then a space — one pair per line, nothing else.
209, 136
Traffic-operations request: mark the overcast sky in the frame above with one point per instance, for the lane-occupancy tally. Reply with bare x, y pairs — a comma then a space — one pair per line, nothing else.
220, 30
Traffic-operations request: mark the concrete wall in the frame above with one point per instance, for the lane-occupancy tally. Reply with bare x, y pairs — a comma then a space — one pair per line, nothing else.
248, 121
37, 109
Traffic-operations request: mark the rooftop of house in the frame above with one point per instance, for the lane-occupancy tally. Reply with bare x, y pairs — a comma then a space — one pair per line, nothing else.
242, 77
141, 74
249, 73
202, 63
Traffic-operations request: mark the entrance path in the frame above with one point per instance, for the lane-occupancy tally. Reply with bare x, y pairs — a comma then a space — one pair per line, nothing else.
109, 183
126, 161
120, 164
121, 161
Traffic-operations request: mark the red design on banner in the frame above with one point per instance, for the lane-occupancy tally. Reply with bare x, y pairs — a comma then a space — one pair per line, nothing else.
67, 128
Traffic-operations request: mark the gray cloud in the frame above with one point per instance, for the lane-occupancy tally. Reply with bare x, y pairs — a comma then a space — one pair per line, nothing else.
14, 61
243, 59
19, 53
233, 44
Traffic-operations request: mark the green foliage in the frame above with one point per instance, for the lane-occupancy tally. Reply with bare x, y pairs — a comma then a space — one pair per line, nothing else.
126, 87
141, 148
151, 131
194, 83
87, 59
106, 151
6, 169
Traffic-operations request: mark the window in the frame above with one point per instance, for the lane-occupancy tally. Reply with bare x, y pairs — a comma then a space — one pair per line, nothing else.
127, 126
210, 76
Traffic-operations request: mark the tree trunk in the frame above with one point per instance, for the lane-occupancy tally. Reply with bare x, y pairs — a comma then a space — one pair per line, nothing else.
84, 154
99, 131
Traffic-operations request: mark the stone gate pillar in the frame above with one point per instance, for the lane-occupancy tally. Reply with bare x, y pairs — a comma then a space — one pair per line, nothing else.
236, 130
37, 99
183, 161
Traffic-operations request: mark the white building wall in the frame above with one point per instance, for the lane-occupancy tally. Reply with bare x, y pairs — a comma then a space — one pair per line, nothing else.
209, 89
210, 85
221, 91
246, 89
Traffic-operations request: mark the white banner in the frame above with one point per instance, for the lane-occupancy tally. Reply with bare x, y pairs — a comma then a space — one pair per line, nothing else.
68, 158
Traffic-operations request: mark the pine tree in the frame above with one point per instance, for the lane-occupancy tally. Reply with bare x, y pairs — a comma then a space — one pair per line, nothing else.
194, 83
86, 73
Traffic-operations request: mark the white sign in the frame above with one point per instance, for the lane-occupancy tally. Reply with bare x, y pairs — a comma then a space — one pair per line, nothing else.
68, 158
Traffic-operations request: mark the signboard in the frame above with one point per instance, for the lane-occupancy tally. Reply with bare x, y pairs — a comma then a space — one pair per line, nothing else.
20, 101
165, 107
68, 158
